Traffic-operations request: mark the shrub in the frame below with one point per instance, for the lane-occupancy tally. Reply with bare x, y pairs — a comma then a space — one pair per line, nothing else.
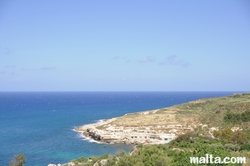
18, 160
245, 116
224, 134
245, 147
237, 117
238, 137
232, 147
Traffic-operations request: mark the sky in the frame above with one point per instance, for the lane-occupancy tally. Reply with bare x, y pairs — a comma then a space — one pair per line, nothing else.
142, 45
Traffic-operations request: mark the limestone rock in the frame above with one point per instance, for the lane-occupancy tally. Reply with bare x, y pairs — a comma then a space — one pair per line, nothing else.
103, 162
71, 164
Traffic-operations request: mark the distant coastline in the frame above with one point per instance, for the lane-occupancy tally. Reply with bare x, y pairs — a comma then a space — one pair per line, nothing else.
72, 109
161, 125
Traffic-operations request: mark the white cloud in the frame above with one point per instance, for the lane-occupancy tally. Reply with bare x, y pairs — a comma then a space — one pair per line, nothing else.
174, 60
147, 59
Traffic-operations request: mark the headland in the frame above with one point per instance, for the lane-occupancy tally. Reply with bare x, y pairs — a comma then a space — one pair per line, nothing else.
163, 125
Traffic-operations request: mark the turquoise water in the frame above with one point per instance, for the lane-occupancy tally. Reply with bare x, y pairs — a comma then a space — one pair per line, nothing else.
40, 124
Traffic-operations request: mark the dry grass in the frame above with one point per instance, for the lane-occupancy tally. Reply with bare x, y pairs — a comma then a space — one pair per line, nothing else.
206, 111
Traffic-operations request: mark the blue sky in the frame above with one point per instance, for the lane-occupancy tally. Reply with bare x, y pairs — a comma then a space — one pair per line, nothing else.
142, 45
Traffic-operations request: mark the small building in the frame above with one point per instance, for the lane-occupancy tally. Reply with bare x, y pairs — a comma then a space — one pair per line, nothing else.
167, 137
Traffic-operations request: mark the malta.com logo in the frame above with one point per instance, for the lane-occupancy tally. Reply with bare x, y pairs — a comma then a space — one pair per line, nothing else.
210, 159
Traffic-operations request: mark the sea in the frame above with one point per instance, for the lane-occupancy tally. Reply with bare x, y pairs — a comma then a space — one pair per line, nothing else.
41, 125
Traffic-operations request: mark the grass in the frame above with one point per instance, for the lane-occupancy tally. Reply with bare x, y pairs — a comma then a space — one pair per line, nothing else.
209, 111
206, 111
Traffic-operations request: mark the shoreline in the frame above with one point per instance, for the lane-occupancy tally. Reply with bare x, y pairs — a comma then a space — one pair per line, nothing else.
160, 126
113, 134
86, 138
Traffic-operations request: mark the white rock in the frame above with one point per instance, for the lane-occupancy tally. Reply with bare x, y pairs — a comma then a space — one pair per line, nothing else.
71, 164
96, 164
103, 161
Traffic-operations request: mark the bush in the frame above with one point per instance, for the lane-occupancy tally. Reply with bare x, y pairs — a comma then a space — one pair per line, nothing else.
120, 153
245, 147
183, 158
232, 147
237, 118
80, 160
238, 137
224, 134
185, 137
245, 116
18, 160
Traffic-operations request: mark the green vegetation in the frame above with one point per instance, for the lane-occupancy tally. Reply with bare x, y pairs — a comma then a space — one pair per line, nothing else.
237, 118
177, 152
18, 160
237, 137
89, 161
214, 112
224, 113
221, 113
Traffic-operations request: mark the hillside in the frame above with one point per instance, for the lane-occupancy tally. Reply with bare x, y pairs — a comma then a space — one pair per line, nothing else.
162, 125
217, 126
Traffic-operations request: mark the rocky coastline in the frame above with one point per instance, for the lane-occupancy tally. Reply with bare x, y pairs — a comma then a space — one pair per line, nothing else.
106, 131
202, 117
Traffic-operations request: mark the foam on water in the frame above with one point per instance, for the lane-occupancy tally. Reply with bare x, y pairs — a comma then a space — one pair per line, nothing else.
84, 138
101, 120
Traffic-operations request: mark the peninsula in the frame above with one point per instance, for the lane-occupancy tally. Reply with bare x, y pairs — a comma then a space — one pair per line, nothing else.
163, 125
218, 126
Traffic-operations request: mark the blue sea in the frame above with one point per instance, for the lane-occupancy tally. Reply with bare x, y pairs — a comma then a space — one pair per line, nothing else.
40, 124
